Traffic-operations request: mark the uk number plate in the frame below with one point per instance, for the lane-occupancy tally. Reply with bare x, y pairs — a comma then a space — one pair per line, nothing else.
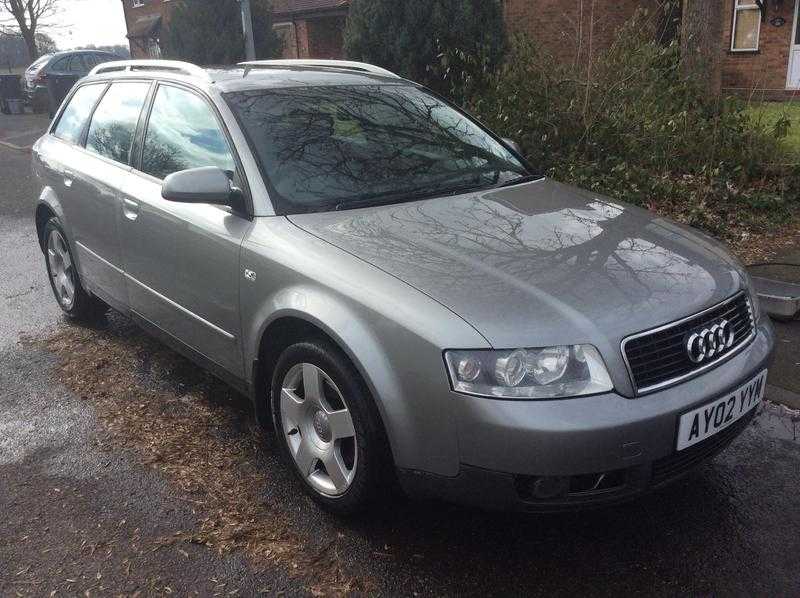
713, 417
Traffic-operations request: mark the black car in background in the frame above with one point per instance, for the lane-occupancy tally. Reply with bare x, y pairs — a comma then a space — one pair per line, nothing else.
59, 71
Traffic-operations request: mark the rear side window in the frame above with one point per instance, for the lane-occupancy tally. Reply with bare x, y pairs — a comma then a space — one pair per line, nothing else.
76, 114
77, 65
183, 133
60, 65
114, 122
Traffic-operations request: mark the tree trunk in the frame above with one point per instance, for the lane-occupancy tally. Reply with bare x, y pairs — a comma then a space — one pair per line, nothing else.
701, 42
30, 40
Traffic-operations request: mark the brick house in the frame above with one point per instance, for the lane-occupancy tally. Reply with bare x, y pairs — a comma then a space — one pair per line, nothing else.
761, 45
314, 28
145, 20
311, 28
758, 41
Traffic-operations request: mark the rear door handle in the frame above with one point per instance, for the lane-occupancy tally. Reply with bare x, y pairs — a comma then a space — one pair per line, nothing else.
131, 209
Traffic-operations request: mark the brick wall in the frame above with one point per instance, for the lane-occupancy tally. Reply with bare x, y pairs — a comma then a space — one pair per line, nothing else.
149, 8
571, 30
763, 71
325, 37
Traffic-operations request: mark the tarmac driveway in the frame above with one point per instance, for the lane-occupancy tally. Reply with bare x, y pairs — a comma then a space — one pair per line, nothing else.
125, 469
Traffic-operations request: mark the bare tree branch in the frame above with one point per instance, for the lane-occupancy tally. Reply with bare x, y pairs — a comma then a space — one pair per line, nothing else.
29, 16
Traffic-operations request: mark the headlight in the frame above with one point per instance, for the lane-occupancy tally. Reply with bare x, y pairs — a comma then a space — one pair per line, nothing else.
544, 373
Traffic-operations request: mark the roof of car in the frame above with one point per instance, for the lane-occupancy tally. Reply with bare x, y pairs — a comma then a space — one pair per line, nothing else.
65, 52
248, 77
244, 79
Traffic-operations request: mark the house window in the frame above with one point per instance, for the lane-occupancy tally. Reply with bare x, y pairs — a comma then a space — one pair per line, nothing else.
746, 26
138, 3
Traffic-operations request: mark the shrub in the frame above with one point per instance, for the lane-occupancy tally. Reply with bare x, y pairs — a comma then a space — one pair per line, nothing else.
634, 127
209, 32
406, 36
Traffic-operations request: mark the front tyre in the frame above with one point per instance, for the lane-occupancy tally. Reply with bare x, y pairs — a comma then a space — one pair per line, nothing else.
64, 280
328, 427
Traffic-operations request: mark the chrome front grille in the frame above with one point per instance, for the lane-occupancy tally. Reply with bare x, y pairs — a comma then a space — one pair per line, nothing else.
658, 358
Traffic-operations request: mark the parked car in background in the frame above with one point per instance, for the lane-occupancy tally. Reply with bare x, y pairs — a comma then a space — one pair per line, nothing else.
68, 66
402, 296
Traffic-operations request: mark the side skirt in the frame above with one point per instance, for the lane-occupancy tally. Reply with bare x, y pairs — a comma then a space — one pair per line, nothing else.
195, 356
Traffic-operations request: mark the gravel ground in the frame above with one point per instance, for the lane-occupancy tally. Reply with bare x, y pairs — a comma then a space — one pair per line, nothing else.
96, 497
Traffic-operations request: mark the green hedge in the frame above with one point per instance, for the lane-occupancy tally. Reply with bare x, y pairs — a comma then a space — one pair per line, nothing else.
635, 127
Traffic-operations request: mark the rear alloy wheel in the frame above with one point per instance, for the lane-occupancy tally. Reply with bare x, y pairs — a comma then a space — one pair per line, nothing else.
62, 270
64, 278
328, 427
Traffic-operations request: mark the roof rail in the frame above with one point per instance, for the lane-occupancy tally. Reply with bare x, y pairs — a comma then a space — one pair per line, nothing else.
185, 68
332, 64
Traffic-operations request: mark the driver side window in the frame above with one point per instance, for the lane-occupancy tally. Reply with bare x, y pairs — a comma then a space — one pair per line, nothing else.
183, 133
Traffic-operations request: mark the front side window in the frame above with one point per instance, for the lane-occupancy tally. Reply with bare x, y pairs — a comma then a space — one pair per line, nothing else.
183, 133
73, 120
114, 122
325, 148
746, 25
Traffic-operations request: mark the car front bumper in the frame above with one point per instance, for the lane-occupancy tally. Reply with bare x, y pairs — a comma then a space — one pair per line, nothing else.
608, 447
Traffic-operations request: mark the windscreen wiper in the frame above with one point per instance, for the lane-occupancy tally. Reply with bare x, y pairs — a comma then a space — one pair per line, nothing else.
408, 196
519, 180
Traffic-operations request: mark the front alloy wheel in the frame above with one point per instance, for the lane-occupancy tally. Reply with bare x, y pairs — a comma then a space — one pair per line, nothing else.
318, 429
327, 425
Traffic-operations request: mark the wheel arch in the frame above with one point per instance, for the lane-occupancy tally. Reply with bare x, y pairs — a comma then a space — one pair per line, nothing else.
289, 326
47, 207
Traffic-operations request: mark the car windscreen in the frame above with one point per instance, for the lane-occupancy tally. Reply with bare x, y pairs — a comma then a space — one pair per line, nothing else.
324, 148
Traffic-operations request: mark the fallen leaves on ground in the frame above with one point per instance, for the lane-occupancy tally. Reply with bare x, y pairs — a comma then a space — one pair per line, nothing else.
199, 442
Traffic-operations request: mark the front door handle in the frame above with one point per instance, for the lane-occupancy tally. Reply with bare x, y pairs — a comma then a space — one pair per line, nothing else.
131, 209
67, 182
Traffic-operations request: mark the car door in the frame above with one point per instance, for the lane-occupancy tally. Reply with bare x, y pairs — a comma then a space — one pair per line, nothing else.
92, 203
181, 259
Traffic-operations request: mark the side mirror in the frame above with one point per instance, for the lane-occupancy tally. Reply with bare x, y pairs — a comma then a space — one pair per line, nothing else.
513, 146
199, 185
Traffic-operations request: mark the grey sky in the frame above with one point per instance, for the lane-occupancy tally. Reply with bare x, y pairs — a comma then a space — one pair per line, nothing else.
82, 22
99, 22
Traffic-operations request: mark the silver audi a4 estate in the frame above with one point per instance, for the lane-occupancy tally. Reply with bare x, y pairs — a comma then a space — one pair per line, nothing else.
401, 295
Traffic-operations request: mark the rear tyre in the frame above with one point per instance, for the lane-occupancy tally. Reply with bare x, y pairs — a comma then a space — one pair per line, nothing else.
72, 298
328, 427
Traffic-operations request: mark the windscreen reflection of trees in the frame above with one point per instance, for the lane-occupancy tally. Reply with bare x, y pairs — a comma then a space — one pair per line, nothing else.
182, 134
72, 121
114, 122
337, 144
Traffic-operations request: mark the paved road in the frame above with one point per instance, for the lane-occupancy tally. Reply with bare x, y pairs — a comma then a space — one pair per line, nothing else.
82, 510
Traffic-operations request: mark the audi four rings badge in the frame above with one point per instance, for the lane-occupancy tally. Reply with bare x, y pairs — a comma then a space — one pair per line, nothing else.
706, 343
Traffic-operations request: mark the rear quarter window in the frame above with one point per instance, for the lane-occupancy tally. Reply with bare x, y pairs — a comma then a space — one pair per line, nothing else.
75, 116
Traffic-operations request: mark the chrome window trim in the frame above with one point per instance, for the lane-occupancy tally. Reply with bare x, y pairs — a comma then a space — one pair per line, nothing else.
735, 350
